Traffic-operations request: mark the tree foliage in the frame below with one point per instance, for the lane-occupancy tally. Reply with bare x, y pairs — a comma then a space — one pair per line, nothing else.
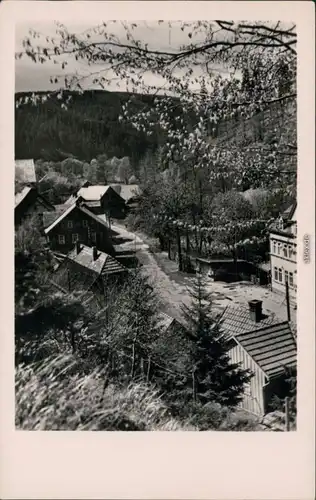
194, 96
217, 379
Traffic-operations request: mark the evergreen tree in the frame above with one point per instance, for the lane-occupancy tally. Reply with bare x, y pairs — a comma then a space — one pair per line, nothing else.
216, 378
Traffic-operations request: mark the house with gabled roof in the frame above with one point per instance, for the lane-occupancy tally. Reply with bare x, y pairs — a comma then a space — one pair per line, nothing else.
266, 346
283, 253
88, 269
73, 223
101, 200
129, 192
25, 172
27, 202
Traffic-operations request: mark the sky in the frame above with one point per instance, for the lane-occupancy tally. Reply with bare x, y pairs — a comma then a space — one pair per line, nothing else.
30, 76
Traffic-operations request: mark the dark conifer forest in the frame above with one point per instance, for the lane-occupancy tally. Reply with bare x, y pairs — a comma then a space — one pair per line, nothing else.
89, 127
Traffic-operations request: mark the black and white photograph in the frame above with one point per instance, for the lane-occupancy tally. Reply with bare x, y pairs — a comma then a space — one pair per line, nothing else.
155, 224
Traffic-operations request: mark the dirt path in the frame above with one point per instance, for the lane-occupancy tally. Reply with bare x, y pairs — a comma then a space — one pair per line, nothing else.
171, 293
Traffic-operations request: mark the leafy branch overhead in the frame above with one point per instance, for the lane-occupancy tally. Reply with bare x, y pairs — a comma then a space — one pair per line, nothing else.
219, 72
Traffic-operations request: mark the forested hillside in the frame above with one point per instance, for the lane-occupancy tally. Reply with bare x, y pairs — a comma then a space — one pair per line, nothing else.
87, 128
90, 127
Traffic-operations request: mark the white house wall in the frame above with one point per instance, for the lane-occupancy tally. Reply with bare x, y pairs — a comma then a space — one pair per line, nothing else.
285, 263
253, 397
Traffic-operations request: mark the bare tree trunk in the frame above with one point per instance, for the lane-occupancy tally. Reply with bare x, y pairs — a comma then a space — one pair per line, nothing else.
179, 249
193, 385
148, 370
187, 241
72, 339
133, 360
201, 242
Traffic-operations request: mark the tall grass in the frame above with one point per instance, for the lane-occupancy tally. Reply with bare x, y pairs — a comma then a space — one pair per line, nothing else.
56, 396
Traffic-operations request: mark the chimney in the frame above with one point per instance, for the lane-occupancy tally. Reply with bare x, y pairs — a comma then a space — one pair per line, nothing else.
94, 253
78, 247
255, 309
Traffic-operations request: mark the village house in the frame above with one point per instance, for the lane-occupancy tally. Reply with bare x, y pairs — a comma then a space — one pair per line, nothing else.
263, 344
101, 200
69, 224
130, 194
87, 269
73, 197
25, 172
29, 202
283, 248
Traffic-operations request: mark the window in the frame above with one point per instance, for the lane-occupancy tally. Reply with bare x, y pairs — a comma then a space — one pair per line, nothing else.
291, 282
280, 275
274, 247
69, 224
94, 237
286, 276
290, 251
85, 223
61, 239
75, 237
285, 251
279, 248
276, 274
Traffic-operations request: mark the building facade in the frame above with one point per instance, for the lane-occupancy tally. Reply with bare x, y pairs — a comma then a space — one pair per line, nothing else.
76, 224
283, 254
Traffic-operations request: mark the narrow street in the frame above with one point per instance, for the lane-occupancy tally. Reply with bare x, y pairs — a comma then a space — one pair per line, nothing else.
171, 293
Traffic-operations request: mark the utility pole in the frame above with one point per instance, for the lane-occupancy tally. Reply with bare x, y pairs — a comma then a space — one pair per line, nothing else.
288, 301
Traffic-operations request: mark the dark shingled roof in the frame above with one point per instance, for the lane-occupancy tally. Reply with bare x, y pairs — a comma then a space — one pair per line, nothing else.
79, 271
271, 347
235, 321
73, 278
104, 264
